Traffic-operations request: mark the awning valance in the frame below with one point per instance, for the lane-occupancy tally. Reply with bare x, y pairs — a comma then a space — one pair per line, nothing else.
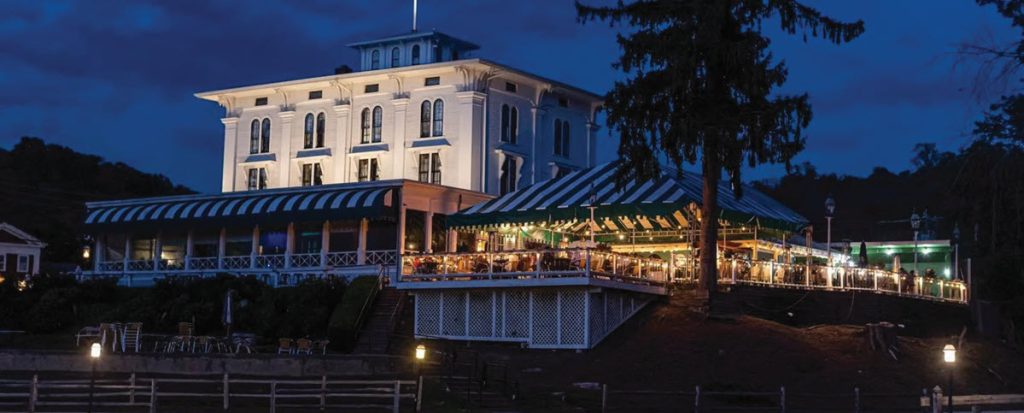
661, 201
319, 203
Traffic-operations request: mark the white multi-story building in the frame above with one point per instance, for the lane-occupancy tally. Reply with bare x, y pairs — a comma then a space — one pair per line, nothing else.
420, 109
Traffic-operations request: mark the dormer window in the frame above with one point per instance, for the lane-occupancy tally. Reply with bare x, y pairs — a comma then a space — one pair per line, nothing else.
316, 94
396, 57
432, 81
375, 60
563, 102
416, 54
261, 101
511, 87
374, 88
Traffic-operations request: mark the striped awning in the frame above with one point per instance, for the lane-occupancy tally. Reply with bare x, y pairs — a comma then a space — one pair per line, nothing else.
659, 204
319, 203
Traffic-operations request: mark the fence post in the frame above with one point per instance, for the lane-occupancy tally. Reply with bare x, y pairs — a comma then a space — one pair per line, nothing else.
34, 394
131, 389
273, 396
782, 399
696, 400
419, 394
856, 400
152, 396
604, 398
227, 391
396, 396
323, 393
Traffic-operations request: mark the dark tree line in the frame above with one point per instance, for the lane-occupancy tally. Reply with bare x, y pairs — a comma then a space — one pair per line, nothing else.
44, 187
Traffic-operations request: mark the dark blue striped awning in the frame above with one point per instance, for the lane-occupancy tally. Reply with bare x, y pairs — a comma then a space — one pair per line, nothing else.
279, 205
662, 200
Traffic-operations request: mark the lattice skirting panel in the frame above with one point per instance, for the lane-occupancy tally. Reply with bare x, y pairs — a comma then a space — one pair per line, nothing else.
557, 317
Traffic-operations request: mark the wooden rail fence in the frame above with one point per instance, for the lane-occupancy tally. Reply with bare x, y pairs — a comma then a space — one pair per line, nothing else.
150, 394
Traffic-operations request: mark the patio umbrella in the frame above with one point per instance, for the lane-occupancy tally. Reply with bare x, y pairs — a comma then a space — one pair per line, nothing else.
227, 316
863, 254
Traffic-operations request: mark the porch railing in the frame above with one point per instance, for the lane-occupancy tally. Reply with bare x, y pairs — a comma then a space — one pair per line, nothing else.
305, 260
202, 263
516, 265
341, 259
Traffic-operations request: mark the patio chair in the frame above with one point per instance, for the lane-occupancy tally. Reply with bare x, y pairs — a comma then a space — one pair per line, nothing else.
243, 342
285, 346
321, 346
183, 340
304, 346
203, 344
87, 332
130, 337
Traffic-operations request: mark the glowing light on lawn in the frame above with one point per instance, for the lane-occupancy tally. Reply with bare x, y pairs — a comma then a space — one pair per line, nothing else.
421, 352
949, 354
95, 350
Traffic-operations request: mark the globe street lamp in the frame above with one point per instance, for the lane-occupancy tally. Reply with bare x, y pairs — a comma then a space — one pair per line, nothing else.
94, 355
949, 357
915, 223
830, 209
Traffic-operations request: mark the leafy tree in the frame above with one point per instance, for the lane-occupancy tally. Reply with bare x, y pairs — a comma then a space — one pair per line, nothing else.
701, 86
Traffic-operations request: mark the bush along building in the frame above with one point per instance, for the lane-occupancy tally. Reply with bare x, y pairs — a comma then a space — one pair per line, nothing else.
469, 184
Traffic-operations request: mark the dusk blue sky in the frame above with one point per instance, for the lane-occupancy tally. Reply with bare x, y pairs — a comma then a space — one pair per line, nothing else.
116, 78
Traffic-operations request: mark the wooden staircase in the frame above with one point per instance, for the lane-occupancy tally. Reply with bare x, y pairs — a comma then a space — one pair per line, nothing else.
375, 336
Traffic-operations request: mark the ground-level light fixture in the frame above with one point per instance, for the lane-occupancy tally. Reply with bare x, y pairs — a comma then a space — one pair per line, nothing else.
949, 353
95, 350
421, 352
949, 357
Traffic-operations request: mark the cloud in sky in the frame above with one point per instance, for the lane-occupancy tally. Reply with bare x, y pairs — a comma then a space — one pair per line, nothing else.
116, 78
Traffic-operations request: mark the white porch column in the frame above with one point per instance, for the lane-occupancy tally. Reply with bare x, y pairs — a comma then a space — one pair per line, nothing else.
341, 144
230, 153
428, 232
535, 112
222, 247
158, 246
398, 137
189, 246
325, 242
364, 227
289, 244
98, 253
452, 242
127, 250
255, 246
284, 165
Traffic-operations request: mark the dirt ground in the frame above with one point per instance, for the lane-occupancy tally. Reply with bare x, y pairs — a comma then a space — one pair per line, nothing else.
668, 346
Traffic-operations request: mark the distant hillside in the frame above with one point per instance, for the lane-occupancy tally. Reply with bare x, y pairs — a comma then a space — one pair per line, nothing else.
44, 187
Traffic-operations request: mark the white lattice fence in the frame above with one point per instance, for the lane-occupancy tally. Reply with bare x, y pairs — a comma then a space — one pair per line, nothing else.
571, 318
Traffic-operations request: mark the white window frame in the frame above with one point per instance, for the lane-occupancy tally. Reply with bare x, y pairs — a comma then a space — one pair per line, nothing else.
3, 262
433, 172
261, 179
23, 269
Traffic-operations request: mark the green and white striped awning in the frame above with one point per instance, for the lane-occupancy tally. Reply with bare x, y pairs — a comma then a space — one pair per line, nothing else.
666, 203
342, 201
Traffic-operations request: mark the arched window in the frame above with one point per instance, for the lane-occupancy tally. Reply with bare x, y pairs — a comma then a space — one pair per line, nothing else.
558, 137
254, 137
425, 119
565, 138
395, 57
505, 122
514, 125
321, 124
375, 60
265, 136
415, 54
378, 120
307, 132
438, 117
366, 126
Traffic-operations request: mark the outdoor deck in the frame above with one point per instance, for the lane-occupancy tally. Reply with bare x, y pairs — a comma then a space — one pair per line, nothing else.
652, 275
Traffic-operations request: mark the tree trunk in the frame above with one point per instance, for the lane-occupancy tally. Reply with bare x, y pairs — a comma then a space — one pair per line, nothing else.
709, 226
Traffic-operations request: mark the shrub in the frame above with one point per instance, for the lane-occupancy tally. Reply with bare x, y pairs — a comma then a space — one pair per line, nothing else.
342, 326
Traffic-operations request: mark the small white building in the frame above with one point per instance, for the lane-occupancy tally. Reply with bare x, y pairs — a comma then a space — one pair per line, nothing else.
420, 109
19, 252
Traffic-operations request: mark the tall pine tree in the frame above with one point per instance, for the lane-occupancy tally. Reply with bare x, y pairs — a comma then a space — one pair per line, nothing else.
700, 87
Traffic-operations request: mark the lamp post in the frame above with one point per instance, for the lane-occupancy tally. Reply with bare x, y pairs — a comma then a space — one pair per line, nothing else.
949, 357
421, 356
830, 209
915, 223
94, 355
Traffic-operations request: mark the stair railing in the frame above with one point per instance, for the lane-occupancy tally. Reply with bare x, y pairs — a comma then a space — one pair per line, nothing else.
381, 278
